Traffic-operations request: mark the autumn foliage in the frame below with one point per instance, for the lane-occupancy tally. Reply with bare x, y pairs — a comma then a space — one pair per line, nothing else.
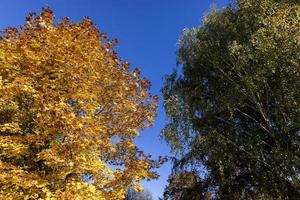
69, 112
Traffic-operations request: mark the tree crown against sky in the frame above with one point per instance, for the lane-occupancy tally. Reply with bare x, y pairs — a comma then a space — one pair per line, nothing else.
70, 110
234, 109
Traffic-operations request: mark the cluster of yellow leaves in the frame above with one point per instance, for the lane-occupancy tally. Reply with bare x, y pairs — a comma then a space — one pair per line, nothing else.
69, 111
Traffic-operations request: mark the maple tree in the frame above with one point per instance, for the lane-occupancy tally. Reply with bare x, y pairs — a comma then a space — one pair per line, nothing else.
70, 109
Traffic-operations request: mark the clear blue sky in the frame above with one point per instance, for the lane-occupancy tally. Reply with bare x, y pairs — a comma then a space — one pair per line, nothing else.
148, 31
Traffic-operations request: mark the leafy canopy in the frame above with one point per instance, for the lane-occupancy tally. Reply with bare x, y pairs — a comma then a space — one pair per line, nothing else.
69, 112
234, 110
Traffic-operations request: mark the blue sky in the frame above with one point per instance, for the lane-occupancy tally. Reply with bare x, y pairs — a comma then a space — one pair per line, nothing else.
148, 31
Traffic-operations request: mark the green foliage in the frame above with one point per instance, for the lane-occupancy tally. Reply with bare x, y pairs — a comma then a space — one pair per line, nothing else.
235, 107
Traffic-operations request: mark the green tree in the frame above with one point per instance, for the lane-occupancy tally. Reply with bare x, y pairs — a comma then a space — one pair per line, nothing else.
235, 107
